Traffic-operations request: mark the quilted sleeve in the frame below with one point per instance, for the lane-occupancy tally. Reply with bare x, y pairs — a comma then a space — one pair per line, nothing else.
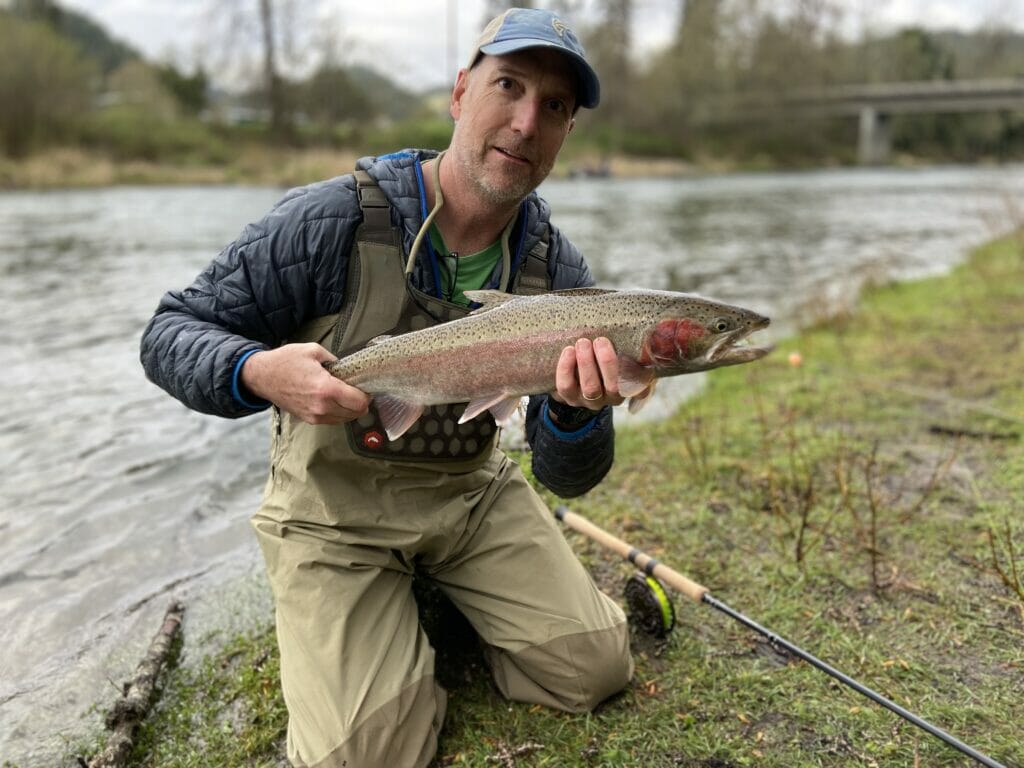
283, 270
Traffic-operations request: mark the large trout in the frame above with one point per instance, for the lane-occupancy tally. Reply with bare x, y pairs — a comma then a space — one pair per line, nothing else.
510, 346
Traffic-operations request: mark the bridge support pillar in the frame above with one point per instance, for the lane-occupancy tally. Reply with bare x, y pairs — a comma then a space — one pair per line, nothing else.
875, 138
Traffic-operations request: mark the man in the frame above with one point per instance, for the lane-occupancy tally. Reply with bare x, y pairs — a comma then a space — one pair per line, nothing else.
348, 516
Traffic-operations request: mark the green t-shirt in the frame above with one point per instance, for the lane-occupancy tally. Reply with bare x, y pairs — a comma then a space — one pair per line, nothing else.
463, 273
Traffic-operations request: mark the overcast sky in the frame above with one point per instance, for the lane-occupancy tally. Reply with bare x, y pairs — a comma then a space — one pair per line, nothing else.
421, 43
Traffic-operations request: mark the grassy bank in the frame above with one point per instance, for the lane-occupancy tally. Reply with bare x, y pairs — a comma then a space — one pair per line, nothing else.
251, 162
864, 503
75, 168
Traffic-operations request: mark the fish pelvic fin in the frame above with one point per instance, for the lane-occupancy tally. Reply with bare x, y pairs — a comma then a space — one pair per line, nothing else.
634, 378
504, 410
501, 406
396, 414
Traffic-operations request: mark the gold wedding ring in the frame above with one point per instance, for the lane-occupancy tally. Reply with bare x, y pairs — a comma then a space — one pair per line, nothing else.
591, 399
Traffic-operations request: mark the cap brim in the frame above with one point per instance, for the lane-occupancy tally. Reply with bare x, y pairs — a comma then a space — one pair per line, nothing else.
590, 88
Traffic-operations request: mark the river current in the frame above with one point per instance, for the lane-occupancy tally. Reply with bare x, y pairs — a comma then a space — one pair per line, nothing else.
116, 499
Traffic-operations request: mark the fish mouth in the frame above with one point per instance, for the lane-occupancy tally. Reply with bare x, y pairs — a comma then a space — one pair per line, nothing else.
732, 349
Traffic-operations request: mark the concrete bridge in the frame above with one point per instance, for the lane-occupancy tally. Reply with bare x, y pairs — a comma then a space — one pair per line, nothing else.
875, 104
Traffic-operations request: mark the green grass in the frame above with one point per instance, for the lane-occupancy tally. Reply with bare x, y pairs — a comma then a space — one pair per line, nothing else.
856, 504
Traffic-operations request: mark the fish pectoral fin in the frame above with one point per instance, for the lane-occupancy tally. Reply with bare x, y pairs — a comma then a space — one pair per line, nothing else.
396, 414
633, 377
501, 406
489, 298
638, 401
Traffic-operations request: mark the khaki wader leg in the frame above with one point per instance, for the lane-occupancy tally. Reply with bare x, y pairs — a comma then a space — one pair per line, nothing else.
356, 669
552, 637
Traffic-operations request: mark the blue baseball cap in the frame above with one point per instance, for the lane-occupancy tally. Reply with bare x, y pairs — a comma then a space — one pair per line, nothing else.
520, 28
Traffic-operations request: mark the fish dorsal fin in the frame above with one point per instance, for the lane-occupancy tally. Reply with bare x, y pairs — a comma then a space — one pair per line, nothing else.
379, 339
396, 414
489, 298
633, 377
570, 292
501, 406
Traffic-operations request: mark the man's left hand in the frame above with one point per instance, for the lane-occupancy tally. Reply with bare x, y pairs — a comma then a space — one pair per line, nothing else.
588, 375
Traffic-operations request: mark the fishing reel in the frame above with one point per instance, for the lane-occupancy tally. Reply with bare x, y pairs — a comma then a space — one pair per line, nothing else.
649, 606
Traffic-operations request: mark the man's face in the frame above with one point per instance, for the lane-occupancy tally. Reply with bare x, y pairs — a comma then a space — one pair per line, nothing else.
512, 114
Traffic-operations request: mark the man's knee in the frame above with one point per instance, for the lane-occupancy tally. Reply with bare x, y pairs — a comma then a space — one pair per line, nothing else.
606, 665
573, 673
403, 732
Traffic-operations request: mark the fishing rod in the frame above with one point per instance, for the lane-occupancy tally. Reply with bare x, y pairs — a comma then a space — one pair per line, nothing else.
656, 570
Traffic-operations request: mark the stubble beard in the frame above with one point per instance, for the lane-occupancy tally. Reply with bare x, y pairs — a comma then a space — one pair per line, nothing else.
506, 190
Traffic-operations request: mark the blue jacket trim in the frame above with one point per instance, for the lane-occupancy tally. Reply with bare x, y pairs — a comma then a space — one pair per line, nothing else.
396, 156
561, 433
524, 211
434, 267
236, 390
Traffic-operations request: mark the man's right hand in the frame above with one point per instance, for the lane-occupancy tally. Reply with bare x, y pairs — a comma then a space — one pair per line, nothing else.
293, 378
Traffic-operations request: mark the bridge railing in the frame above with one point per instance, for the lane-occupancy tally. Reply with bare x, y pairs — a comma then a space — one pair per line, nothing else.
873, 104
931, 96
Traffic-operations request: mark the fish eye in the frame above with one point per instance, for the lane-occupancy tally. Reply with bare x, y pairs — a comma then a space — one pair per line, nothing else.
721, 324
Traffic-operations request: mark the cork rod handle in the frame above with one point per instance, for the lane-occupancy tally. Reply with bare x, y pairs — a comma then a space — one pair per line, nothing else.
646, 563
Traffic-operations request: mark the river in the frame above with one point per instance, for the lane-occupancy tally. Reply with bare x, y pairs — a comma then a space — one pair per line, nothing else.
115, 498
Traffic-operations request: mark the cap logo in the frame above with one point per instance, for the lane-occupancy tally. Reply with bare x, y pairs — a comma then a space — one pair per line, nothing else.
560, 27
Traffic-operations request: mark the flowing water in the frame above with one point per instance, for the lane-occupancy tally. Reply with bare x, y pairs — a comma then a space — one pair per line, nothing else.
115, 498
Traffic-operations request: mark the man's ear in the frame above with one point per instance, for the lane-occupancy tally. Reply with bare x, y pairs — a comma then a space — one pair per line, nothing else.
572, 124
455, 105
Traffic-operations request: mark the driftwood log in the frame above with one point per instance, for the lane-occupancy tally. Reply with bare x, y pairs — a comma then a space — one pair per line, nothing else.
137, 695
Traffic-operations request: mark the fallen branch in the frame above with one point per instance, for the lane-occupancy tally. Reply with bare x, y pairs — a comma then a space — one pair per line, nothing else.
131, 709
939, 429
506, 755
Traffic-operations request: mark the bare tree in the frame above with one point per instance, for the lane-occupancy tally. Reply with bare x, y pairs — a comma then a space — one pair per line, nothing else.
609, 46
271, 77
240, 27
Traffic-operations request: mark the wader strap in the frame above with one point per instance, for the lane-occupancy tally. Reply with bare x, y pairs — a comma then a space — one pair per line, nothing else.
532, 277
375, 258
376, 210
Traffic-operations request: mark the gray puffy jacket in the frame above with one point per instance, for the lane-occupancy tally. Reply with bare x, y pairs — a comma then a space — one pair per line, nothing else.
290, 267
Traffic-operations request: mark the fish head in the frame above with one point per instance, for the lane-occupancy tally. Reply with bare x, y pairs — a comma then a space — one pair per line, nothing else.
698, 335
